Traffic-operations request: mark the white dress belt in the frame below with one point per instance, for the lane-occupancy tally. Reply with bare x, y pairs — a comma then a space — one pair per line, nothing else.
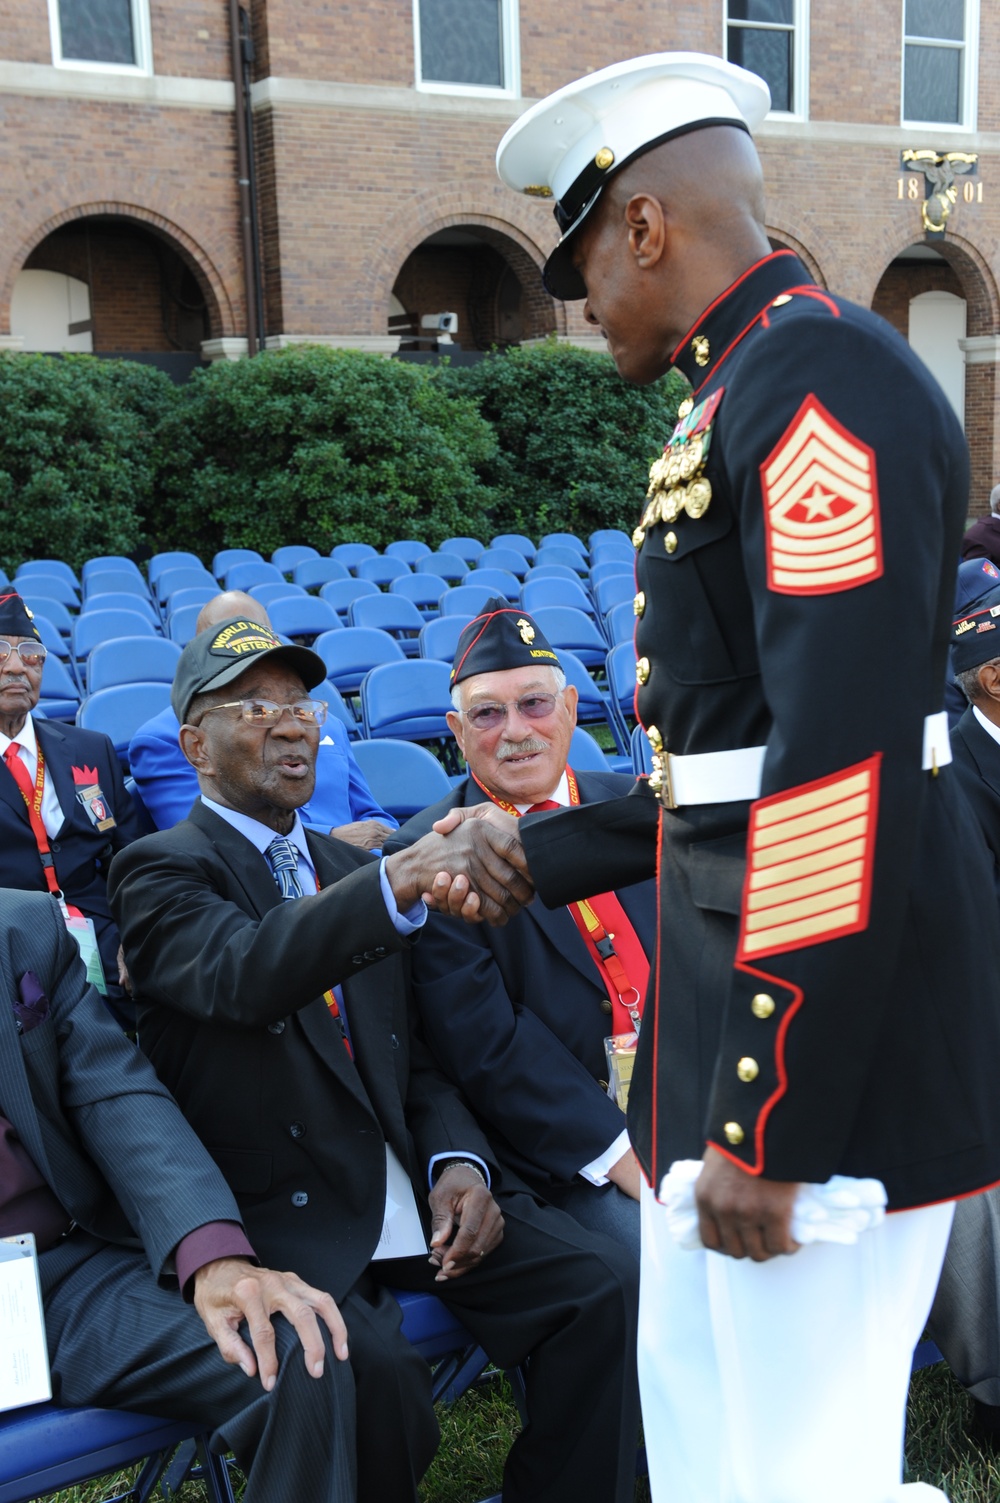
733, 776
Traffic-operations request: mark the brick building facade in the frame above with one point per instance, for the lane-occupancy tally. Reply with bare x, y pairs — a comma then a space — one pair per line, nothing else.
374, 132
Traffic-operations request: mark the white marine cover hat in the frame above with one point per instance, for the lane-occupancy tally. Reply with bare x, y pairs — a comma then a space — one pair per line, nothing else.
568, 147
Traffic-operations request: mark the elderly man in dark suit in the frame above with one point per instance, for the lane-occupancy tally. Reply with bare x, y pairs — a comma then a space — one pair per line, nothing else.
125, 1205
64, 808
518, 1016
270, 975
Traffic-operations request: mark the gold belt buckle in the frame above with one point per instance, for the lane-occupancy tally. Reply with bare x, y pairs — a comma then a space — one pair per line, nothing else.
667, 786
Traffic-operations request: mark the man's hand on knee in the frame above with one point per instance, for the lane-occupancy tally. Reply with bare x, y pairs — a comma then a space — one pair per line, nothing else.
466, 1223
741, 1214
228, 1291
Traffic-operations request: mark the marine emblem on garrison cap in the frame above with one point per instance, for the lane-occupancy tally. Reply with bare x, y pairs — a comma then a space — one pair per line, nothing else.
526, 631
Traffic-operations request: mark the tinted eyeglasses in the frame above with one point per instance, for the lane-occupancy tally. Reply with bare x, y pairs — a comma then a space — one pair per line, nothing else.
32, 654
264, 712
486, 717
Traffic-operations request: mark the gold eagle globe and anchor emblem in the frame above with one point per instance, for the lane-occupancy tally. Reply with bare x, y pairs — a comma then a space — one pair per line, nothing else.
526, 631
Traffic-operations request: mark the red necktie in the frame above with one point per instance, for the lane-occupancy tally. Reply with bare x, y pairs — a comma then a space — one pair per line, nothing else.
18, 771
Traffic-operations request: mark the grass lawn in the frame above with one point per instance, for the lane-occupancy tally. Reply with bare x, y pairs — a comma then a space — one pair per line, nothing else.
477, 1431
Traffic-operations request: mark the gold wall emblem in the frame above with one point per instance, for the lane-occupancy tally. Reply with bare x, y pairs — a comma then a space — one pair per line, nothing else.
940, 170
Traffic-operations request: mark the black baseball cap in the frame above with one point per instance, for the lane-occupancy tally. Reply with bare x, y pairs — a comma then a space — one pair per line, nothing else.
222, 652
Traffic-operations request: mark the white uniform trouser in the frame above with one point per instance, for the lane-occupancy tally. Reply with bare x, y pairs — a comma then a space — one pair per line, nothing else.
785, 1381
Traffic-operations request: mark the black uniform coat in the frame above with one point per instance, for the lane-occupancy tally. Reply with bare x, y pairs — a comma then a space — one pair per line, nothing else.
517, 1016
80, 851
977, 762
219, 967
854, 1028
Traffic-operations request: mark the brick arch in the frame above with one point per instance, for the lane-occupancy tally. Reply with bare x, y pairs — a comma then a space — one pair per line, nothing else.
791, 242
220, 311
972, 268
482, 214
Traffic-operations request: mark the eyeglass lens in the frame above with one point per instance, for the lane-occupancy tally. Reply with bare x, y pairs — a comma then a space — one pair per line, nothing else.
531, 707
31, 653
266, 712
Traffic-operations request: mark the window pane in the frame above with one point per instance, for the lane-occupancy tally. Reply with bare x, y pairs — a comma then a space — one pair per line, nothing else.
781, 11
97, 31
932, 84
936, 18
768, 53
460, 42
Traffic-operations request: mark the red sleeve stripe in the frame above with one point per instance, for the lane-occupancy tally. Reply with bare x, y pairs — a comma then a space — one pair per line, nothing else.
809, 858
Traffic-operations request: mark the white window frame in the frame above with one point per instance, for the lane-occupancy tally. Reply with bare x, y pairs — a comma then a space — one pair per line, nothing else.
141, 33
510, 58
800, 54
969, 93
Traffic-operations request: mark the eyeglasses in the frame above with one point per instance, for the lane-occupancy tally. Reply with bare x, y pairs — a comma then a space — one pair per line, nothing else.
264, 712
530, 707
32, 654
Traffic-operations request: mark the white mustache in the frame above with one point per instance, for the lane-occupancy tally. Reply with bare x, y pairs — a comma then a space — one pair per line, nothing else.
508, 749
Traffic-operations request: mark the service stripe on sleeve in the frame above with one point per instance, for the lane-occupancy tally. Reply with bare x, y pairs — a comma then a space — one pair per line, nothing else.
809, 863
821, 512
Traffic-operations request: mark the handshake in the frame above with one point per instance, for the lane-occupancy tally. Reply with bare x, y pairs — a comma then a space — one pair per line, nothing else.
471, 865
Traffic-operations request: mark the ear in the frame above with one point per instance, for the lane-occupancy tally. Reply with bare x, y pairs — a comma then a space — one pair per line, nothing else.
193, 742
457, 727
571, 697
989, 679
647, 229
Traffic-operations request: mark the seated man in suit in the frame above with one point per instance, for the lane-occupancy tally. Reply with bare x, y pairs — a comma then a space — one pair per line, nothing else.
342, 804
64, 808
518, 1016
269, 967
133, 1221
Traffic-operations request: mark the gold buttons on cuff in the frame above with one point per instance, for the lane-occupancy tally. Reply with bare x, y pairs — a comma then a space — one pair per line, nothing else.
654, 737
639, 603
762, 1006
670, 542
642, 671
747, 1069
734, 1133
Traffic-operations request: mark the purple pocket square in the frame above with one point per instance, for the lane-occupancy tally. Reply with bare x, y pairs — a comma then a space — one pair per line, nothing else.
32, 1006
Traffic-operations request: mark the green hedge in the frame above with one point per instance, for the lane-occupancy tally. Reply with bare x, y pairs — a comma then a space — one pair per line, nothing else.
320, 446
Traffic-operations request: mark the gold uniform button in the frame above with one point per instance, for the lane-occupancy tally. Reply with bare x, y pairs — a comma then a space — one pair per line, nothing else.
654, 737
779, 302
734, 1133
642, 671
605, 1005
762, 1006
603, 1084
670, 542
639, 603
604, 158
747, 1069
637, 537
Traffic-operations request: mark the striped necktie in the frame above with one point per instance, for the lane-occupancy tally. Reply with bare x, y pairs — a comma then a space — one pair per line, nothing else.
284, 862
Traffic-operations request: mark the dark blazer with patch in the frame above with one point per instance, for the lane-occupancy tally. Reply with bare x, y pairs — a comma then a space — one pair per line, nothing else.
80, 851
517, 1016
229, 986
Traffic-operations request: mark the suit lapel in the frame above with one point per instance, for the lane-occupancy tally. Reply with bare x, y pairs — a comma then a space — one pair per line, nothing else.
248, 866
58, 767
986, 752
16, 1101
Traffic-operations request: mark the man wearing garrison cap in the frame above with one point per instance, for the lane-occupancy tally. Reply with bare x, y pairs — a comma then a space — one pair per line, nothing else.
519, 1016
64, 808
827, 999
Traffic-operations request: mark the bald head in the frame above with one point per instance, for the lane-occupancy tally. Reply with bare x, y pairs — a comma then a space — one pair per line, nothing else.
231, 603
707, 181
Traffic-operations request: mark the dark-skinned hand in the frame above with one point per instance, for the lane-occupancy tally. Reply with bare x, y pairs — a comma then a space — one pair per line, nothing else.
477, 872
741, 1214
466, 1223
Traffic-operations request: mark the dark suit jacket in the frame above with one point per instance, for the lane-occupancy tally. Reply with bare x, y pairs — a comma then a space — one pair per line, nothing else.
97, 1123
81, 852
229, 986
982, 540
977, 762
515, 1015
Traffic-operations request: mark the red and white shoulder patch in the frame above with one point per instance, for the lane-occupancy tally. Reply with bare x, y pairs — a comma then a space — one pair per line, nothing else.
821, 513
809, 863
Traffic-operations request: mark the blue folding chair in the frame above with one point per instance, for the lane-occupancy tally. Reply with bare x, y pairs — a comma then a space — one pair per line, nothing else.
613, 590
353, 652
619, 623
240, 576
302, 616
450, 566
466, 600
182, 624
94, 627
551, 571
49, 566
542, 592
409, 701
349, 554
511, 560
611, 567
467, 548
120, 600
595, 708
59, 697
618, 550
268, 593
439, 639
517, 541
54, 640
408, 549
312, 573
48, 587
584, 753
53, 610
556, 553
226, 557
131, 660
381, 570
620, 665
391, 613
563, 540
196, 595
500, 581
114, 582
340, 592
607, 535
574, 630
45, 1448
403, 776
337, 706
173, 558
287, 557
121, 710
117, 562
642, 754
425, 590
184, 577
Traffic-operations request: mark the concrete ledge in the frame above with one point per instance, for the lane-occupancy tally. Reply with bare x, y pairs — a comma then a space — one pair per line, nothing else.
12, 342
43, 80
223, 349
981, 349
375, 344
